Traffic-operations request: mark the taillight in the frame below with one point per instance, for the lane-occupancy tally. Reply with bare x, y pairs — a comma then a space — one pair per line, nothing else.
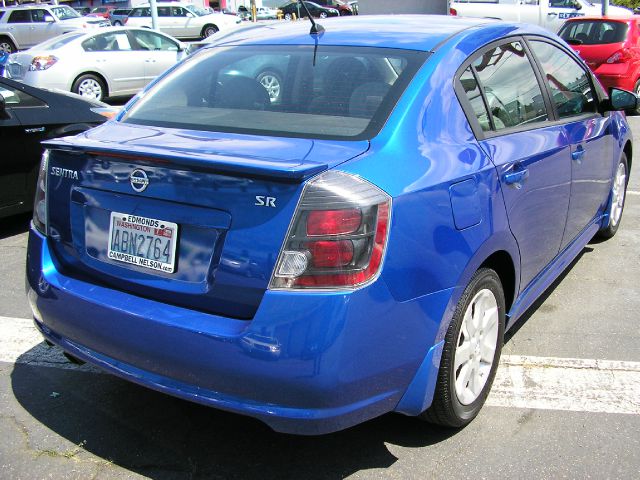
126, 20
453, 11
619, 57
337, 237
42, 62
40, 201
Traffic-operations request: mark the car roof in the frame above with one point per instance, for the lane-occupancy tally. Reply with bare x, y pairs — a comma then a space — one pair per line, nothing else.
608, 18
411, 32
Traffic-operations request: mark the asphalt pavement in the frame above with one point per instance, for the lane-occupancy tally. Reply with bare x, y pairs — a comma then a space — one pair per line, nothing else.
565, 404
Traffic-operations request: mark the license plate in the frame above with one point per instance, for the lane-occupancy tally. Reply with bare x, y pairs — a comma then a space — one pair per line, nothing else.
142, 241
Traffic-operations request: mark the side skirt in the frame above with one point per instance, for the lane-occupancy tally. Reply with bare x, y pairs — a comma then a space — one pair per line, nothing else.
547, 276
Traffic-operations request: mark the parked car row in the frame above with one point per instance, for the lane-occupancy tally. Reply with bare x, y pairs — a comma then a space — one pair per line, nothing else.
25, 26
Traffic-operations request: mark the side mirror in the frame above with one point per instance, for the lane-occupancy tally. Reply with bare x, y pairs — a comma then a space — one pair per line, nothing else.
620, 100
577, 5
49, 19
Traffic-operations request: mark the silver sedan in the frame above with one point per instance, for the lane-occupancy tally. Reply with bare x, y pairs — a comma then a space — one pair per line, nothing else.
112, 62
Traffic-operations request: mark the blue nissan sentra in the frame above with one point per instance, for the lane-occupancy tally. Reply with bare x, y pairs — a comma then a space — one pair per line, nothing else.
354, 242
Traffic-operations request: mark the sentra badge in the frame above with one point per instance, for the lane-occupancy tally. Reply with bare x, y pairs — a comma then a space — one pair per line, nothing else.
64, 173
139, 180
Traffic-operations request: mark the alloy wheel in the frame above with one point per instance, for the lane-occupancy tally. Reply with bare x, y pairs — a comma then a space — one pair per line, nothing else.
476, 346
90, 88
617, 198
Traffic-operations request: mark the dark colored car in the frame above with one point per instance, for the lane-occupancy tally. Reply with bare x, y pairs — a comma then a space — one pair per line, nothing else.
610, 46
29, 115
316, 11
344, 8
358, 246
82, 10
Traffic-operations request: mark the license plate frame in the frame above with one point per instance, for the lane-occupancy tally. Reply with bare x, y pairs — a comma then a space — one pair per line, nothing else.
145, 242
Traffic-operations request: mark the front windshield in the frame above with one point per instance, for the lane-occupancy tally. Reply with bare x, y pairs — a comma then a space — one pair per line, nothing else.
200, 12
65, 13
348, 92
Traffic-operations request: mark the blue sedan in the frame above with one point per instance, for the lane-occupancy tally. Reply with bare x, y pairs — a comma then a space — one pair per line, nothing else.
358, 246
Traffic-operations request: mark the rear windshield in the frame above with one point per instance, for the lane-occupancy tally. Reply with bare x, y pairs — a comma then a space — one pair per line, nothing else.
278, 90
593, 32
60, 41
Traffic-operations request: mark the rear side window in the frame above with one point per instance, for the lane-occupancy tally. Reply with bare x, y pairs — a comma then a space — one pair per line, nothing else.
141, 12
569, 83
594, 32
509, 86
334, 93
20, 16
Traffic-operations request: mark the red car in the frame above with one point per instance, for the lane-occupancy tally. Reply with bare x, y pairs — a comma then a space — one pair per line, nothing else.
102, 11
610, 46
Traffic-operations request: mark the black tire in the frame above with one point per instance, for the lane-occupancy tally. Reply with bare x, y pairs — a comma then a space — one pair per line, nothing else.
447, 408
209, 30
6, 45
90, 86
618, 187
117, 23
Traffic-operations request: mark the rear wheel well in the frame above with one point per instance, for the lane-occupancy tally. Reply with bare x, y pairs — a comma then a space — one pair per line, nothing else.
502, 264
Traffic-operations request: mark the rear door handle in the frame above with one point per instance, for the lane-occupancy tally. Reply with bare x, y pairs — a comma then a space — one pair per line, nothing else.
578, 154
516, 178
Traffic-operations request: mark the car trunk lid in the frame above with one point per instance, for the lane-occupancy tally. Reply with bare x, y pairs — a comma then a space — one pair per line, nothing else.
230, 197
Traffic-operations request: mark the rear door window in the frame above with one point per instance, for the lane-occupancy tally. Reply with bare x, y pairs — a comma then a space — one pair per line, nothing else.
20, 16
509, 86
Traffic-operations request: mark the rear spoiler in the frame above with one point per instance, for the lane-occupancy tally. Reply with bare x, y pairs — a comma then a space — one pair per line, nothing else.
289, 171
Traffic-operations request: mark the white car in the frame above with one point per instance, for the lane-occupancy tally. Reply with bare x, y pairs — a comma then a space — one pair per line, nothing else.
182, 20
111, 62
24, 26
266, 13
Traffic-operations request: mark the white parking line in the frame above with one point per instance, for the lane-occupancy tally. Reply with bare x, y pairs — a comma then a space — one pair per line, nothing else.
546, 383
574, 384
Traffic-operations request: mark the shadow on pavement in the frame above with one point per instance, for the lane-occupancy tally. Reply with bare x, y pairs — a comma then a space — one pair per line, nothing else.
162, 437
14, 225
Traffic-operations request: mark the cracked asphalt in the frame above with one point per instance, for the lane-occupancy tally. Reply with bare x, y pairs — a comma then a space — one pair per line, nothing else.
70, 423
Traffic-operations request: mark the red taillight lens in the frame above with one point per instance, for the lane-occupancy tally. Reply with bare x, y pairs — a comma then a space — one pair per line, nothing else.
331, 253
453, 11
333, 222
42, 62
340, 247
620, 56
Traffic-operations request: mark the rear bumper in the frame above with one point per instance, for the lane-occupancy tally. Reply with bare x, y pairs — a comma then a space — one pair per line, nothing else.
308, 363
